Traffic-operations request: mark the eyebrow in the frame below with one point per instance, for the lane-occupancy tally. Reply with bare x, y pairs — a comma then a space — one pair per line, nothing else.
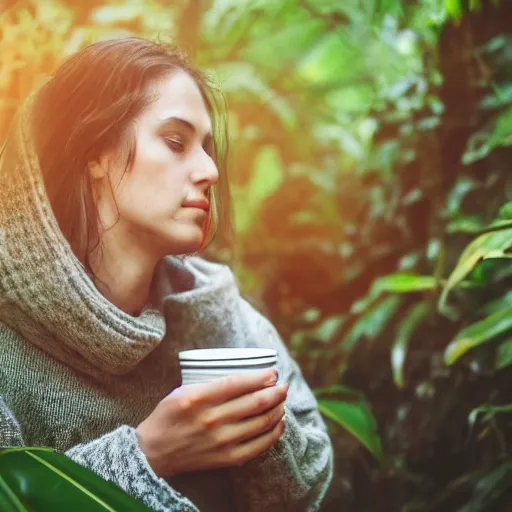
187, 125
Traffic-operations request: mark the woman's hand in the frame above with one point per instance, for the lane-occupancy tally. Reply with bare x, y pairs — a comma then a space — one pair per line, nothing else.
216, 424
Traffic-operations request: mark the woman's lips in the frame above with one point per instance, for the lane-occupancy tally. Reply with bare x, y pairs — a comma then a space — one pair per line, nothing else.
200, 203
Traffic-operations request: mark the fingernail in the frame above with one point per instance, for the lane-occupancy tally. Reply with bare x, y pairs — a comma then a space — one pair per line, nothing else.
272, 380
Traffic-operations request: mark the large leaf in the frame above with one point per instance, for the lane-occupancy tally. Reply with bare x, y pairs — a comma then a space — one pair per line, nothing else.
357, 418
478, 333
487, 245
38, 479
412, 319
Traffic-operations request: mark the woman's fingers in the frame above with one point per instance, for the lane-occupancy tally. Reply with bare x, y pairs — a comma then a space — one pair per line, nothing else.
243, 452
228, 388
246, 406
250, 428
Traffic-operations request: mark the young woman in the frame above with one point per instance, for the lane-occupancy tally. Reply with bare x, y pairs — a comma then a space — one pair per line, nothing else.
112, 173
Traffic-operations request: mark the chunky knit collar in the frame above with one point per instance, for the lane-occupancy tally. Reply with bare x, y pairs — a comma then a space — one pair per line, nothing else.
45, 293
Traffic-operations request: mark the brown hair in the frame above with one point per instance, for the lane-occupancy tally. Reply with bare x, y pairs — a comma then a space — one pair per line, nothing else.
87, 107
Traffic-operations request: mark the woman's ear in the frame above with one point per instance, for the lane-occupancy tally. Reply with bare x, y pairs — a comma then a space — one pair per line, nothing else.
97, 169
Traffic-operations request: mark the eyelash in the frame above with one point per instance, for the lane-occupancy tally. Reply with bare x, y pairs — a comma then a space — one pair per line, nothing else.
177, 146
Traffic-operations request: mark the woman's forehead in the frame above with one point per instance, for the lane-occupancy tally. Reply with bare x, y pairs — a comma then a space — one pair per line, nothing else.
178, 96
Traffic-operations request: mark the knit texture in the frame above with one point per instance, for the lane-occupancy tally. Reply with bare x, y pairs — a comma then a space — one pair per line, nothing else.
33, 249
117, 458
78, 375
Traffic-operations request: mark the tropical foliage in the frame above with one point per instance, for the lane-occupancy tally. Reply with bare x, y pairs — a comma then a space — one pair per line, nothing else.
38, 479
373, 213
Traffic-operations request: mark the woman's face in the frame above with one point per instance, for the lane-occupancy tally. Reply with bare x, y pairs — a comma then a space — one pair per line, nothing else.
161, 203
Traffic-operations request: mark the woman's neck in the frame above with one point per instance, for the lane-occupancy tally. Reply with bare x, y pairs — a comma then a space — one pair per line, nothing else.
123, 273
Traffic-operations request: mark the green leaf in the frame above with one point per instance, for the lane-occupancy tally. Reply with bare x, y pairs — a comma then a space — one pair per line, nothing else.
41, 480
489, 410
458, 192
498, 255
357, 419
483, 246
330, 326
402, 283
453, 8
389, 8
372, 322
413, 318
9, 502
481, 143
267, 177
243, 81
505, 212
321, 64
74, 483
470, 224
110, 14
496, 305
478, 333
502, 133
504, 354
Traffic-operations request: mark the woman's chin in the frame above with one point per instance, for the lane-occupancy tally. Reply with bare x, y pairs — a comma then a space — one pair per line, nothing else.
185, 245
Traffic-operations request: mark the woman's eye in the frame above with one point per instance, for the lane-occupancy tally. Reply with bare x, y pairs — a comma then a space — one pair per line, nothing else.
175, 144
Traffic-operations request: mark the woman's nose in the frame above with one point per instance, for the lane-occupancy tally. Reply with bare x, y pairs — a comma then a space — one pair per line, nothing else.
205, 171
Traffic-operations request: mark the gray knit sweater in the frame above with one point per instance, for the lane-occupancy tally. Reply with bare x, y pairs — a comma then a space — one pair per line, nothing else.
77, 374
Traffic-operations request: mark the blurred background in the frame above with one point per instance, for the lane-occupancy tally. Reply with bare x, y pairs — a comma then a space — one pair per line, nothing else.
371, 178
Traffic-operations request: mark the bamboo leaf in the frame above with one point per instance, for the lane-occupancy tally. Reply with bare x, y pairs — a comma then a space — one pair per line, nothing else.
357, 419
497, 254
483, 246
403, 283
478, 333
413, 318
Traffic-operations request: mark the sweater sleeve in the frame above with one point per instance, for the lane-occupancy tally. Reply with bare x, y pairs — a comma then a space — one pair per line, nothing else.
10, 431
295, 473
115, 457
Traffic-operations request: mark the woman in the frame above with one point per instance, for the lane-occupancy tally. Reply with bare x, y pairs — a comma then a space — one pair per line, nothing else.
112, 172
